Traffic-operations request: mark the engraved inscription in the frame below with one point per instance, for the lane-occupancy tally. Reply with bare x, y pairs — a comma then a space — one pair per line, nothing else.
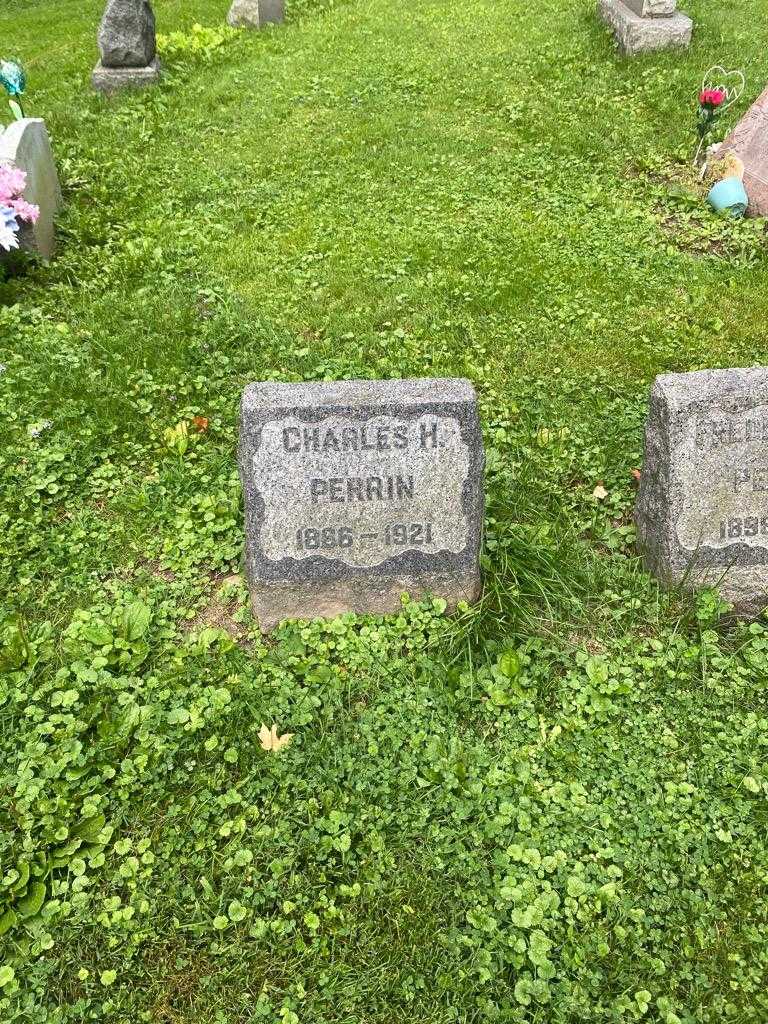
361, 492
724, 481
743, 526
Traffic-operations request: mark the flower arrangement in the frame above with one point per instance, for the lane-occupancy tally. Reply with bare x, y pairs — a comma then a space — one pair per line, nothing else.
710, 106
13, 206
14, 80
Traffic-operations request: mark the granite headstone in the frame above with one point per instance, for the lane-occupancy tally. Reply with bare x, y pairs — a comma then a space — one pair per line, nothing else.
127, 46
652, 8
749, 141
359, 491
25, 144
255, 13
702, 510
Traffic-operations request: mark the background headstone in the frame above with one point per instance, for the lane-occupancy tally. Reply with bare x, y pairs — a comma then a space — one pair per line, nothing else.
127, 46
652, 8
255, 13
642, 26
25, 144
749, 141
358, 491
702, 510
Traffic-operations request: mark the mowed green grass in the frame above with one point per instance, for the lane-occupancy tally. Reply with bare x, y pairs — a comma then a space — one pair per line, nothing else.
549, 808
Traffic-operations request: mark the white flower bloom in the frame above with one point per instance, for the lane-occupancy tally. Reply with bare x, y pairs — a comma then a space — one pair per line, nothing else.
36, 429
8, 239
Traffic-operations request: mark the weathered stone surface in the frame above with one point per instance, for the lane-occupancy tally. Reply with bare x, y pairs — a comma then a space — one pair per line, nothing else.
127, 34
255, 13
749, 141
25, 144
702, 511
635, 34
109, 80
358, 491
652, 8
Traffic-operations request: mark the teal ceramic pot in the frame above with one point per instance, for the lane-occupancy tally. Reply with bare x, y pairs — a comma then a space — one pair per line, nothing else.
729, 196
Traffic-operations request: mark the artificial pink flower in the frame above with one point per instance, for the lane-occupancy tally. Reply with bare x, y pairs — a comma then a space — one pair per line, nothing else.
24, 210
12, 182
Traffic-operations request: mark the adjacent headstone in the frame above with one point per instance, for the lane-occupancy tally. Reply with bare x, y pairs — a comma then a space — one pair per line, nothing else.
255, 13
642, 26
127, 45
702, 510
25, 144
359, 491
749, 142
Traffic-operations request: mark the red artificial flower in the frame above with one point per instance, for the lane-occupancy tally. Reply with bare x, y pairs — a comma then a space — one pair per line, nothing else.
712, 98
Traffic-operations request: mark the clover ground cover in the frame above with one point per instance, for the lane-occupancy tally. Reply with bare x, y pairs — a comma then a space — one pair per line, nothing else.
551, 808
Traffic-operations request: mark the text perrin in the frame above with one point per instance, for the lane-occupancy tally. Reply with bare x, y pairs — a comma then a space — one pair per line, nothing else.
356, 488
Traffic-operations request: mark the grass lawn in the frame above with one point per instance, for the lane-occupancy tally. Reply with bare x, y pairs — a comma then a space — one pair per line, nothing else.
549, 808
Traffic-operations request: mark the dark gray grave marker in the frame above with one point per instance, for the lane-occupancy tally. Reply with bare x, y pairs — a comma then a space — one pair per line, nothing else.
127, 47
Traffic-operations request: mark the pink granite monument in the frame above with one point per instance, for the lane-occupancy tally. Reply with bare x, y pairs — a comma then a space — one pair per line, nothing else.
749, 141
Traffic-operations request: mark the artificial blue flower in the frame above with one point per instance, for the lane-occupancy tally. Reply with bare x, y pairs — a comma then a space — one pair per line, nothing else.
9, 229
12, 77
8, 218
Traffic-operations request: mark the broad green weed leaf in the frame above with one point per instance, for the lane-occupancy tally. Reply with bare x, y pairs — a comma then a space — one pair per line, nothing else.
32, 903
88, 830
98, 633
21, 882
14, 650
135, 620
597, 671
509, 664
501, 698
7, 921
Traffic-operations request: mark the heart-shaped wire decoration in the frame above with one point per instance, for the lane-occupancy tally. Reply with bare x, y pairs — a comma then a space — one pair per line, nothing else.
718, 78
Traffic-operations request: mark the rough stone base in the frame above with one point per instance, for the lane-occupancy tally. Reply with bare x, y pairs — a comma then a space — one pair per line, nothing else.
274, 603
109, 80
636, 35
255, 13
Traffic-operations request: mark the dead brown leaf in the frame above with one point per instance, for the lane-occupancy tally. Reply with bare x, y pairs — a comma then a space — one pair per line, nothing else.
271, 742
